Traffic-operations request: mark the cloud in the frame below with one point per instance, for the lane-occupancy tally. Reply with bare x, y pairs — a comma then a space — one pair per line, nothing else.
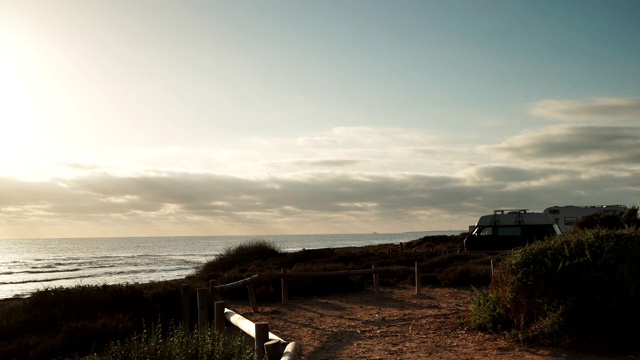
223, 204
328, 162
573, 146
339, 184
503, 174
596, 109
355, 149
205, 203
364, 136
80, 166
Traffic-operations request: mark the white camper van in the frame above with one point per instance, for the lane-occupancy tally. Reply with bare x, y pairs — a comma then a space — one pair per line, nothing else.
508, 229
566, 216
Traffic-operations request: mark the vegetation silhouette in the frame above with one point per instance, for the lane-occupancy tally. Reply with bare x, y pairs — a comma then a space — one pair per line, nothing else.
578, 289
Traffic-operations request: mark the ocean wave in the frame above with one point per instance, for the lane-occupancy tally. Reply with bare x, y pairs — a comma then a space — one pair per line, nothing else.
31, 281
40, 271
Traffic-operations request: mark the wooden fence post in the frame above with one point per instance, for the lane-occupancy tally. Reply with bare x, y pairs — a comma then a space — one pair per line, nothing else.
376, 282
203, 317
262, 336
252, 296
184, 293
218, 316
285, 290
212, 288
273, 349
418, 279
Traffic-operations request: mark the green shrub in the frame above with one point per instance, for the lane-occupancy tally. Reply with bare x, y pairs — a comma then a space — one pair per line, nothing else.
178, 344
488, 314
582, 287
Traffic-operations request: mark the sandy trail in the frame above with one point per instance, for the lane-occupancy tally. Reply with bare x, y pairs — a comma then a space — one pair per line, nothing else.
397, 324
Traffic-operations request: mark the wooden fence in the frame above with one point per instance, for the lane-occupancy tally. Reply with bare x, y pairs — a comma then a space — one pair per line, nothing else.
267, 345
249, 282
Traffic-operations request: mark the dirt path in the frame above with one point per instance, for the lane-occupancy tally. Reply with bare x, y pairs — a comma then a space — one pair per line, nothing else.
398, 324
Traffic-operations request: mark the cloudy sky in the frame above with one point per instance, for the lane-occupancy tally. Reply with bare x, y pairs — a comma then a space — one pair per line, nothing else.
145, 118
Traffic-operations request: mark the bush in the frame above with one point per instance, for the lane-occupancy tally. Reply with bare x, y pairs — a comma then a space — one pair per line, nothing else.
580, 287
461, 269
238, 256
487, 314
621, 220
474, 273
57, 322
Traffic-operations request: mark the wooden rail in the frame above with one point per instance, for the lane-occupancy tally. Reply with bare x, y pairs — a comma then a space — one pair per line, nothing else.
267, 345
236, 284
245, 325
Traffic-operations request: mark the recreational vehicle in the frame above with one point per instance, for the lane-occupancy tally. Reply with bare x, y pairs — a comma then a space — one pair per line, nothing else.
566, 216
508, 229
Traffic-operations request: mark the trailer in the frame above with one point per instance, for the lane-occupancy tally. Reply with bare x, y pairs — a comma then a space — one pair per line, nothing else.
566, 216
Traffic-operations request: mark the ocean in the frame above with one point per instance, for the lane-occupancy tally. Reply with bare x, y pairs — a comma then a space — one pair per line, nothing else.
27, 265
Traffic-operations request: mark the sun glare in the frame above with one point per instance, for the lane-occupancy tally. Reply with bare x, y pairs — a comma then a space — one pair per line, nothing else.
20, 138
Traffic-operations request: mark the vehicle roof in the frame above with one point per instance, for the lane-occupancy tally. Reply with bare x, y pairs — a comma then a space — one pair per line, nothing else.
586, 207
516, 218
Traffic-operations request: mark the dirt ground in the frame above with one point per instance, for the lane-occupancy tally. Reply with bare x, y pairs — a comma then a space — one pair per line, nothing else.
397, 324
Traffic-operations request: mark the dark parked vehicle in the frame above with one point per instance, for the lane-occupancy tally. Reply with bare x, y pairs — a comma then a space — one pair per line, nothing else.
509, 229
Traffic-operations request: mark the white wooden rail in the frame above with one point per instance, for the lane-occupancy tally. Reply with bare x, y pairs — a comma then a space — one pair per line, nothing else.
267, 345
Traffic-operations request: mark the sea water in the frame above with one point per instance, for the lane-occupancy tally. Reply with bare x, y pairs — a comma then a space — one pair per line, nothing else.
27, 265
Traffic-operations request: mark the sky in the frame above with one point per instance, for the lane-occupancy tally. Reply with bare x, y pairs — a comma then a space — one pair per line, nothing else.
170, 118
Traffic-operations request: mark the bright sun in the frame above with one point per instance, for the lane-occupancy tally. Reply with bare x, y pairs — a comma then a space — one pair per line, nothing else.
20, 138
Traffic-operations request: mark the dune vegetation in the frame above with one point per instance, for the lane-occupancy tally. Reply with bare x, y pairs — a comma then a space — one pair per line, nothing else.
581, 287
89, 319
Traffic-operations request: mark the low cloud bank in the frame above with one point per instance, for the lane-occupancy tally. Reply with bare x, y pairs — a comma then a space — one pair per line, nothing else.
212, 204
